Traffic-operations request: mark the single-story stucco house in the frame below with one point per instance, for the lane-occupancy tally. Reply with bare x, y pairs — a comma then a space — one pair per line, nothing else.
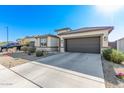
86, 40
120, 44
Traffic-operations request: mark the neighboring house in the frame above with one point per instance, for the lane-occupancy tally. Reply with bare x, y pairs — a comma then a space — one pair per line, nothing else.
85, 40
47, 42
120, 44
113, 44
42, 42
26, 40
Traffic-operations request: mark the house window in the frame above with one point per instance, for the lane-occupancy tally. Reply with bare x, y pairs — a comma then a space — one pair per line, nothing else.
43, 42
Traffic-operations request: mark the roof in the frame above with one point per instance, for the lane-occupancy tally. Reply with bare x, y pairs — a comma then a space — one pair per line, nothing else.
120, 39
45, 35
39, 36
85, 29
67, 28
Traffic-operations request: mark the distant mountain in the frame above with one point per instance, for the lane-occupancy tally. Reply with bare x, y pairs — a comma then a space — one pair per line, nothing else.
4, 43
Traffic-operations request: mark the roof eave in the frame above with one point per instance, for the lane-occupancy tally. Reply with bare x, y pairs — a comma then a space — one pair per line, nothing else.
67, 28
109, 30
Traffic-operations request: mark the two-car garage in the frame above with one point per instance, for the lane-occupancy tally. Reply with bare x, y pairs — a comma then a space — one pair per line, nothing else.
84, 45
84, 40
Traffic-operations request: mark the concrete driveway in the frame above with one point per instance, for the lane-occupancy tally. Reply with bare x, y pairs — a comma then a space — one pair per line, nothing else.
65, 70
85, 63
53, 77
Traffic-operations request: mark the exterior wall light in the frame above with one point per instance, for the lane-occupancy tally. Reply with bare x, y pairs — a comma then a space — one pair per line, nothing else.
105, 38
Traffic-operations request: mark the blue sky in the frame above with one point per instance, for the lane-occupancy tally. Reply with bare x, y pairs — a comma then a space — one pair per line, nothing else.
34, 20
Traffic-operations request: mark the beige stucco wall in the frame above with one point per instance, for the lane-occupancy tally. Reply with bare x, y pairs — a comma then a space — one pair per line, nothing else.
52, 41
48, 41
47, 49
120, 45
37, 44
102, 33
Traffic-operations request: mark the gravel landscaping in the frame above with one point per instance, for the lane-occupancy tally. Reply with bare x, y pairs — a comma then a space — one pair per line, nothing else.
18, 58
31, 57
110, 69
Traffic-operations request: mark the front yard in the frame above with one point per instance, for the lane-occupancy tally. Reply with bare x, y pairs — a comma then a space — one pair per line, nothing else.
12, 57
110, 69
17, 58
9, 62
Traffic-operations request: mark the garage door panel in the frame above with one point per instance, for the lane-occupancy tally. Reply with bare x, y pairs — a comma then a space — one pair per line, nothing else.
86, 45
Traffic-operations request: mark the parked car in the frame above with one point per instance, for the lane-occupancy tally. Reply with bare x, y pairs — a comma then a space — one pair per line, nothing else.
10, 45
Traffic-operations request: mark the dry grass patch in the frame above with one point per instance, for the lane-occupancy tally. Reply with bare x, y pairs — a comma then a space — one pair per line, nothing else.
9, 62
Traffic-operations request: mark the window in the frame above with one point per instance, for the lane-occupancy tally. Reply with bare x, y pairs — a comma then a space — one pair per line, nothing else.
43, 42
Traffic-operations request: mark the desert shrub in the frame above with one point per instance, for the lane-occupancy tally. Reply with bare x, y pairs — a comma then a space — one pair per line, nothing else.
39, 53
24, 48
117, 56
45, 52
31, 49
113, 55
107, 54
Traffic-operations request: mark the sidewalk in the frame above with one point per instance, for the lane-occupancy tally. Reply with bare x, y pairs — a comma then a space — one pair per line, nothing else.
9, 79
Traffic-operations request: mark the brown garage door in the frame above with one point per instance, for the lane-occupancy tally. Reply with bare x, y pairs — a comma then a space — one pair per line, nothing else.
85, 45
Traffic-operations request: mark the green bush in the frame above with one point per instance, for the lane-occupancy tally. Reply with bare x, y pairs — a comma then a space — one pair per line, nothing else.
107, 54
117, 56
39, 53
45, 53
24, 48
31, 49
113, 55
